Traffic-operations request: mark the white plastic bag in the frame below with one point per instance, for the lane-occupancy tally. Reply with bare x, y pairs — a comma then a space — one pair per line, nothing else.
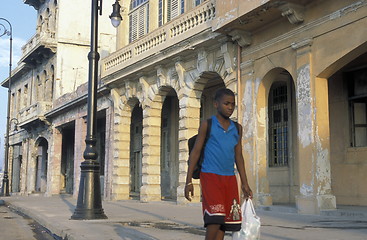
250, 227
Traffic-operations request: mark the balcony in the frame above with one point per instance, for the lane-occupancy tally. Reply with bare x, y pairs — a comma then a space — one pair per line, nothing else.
179, 34
33, 114
41, 46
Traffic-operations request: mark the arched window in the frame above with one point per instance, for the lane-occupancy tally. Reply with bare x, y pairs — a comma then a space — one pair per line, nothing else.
38, 88
40, 23
138, 19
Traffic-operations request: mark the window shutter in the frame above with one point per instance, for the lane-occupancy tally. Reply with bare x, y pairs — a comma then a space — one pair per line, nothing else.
174, 9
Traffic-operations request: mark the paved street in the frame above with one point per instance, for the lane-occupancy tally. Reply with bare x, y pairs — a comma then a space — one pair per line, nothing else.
168, 221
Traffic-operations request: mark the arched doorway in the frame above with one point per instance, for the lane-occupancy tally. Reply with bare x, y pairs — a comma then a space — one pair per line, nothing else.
281, 162
136, 138
41, 165
169, 146
214, 83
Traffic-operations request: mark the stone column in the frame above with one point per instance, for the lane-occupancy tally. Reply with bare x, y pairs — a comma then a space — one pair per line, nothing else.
313, 135
79, 147
121, 149
29, 156
10, 166
109, 153
54, 163
26, 155
189, 122
151, 170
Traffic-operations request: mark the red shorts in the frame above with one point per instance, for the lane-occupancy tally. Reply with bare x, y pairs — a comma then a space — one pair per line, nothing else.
220, 201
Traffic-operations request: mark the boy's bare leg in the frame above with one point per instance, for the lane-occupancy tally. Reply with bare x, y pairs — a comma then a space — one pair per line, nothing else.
213, 232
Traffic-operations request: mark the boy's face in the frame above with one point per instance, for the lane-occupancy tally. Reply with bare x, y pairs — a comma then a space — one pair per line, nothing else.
225, 106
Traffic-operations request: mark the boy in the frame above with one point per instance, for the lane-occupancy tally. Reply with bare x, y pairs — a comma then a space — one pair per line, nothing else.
217, 178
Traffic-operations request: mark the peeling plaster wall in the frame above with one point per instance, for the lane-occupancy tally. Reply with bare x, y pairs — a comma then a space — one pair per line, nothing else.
304, 102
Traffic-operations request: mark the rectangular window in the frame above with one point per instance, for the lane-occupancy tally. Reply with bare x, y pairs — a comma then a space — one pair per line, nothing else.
139, 22
175, 8
358, 107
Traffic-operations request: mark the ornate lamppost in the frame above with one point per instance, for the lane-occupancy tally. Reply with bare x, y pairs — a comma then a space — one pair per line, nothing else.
89, 204
5, 31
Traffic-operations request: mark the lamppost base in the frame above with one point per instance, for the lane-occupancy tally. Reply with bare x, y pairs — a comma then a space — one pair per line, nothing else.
89, 204
88, 214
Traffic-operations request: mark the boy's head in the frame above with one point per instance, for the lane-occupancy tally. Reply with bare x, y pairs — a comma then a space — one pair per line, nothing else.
221, 92
224, 102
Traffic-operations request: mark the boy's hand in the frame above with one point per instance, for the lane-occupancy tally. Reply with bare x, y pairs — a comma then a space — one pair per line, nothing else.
247, 191
189, 191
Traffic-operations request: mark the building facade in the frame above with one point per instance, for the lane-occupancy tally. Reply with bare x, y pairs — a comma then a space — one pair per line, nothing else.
298, 69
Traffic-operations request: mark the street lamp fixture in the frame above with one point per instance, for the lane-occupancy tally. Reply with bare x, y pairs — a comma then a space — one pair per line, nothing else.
5, 31
89, 204
116, 16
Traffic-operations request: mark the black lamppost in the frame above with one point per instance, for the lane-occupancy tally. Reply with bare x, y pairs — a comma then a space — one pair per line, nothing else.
5, 31
89, 204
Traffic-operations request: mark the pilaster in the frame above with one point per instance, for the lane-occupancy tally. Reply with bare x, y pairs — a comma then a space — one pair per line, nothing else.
188, 126
254, 135
121, 149
54, 164
151, 188
29, 154
313, 135
79, 147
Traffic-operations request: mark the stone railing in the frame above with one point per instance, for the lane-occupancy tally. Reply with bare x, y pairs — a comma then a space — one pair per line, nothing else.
36, 110
36, 40
182, 27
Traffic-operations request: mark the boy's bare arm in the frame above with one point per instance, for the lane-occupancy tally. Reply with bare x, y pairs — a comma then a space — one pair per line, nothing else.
194, 158
240, 164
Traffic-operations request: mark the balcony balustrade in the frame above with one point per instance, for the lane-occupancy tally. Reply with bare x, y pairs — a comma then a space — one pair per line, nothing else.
41, 45
33, 112
178, 30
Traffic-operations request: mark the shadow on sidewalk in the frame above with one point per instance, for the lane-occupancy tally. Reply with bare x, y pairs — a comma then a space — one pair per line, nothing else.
71, 206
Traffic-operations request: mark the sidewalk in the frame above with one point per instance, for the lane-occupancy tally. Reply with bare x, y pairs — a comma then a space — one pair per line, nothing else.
168, 221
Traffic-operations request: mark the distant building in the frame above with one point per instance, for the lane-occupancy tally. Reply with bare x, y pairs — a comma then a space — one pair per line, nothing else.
53, 65
298, 69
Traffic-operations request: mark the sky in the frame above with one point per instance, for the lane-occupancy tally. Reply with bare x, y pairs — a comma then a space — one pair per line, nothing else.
22, 17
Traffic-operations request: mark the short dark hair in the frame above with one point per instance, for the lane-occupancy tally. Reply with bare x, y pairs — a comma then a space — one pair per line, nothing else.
223, 91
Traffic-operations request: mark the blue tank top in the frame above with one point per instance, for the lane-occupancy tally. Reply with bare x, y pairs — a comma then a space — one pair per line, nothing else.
219, 152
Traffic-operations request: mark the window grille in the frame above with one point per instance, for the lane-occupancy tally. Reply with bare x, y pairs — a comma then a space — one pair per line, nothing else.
278, 125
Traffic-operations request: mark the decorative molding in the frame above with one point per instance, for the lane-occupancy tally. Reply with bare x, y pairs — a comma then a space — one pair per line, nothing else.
161, 75
247, 68
293, 12
304, 43
243, 38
